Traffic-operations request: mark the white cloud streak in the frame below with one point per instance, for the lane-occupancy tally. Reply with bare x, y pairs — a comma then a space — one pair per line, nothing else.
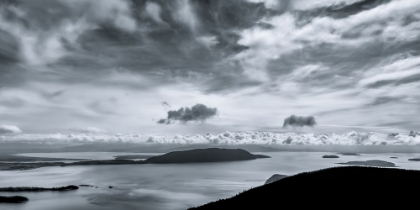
9, 130
90, 130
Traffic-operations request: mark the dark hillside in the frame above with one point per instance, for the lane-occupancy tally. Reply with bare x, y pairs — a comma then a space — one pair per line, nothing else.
350, 187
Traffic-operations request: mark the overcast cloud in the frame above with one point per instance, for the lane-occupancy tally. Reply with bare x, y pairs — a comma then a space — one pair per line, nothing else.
110, 64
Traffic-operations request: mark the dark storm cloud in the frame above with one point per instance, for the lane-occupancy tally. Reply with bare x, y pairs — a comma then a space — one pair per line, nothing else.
198, 112
299, 121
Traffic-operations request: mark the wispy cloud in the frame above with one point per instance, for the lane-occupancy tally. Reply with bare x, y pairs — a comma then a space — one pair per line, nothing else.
9, 130
90, 130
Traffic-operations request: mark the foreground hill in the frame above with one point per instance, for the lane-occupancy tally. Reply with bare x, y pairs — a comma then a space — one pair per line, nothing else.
355, 187
205, 155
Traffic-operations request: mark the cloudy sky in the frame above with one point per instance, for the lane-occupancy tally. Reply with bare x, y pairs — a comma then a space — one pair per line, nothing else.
119, 66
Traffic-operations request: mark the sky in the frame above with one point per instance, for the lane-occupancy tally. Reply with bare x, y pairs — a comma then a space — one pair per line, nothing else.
128, 66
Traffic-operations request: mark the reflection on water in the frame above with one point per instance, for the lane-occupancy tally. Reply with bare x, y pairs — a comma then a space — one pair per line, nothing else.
172, 186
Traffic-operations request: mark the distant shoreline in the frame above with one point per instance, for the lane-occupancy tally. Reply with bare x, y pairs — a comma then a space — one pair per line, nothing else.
38, 189
186, 156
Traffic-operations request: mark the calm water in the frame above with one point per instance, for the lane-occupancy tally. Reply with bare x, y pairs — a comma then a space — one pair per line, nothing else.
85, 155
175, 186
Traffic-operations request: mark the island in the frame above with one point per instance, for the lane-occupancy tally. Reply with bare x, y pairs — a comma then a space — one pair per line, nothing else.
349, 154
204, 155
274, 178
38, 189
414, 159
13, 199
375, 187
377, 163
330, 156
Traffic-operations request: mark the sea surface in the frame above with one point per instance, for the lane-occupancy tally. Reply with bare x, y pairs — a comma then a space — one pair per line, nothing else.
85, 155
164, 187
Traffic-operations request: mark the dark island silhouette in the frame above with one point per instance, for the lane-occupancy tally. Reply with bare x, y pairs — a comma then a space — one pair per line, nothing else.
38, 189
353, 187
13, 199
204, 155
376, 163
414, 159
330, 156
